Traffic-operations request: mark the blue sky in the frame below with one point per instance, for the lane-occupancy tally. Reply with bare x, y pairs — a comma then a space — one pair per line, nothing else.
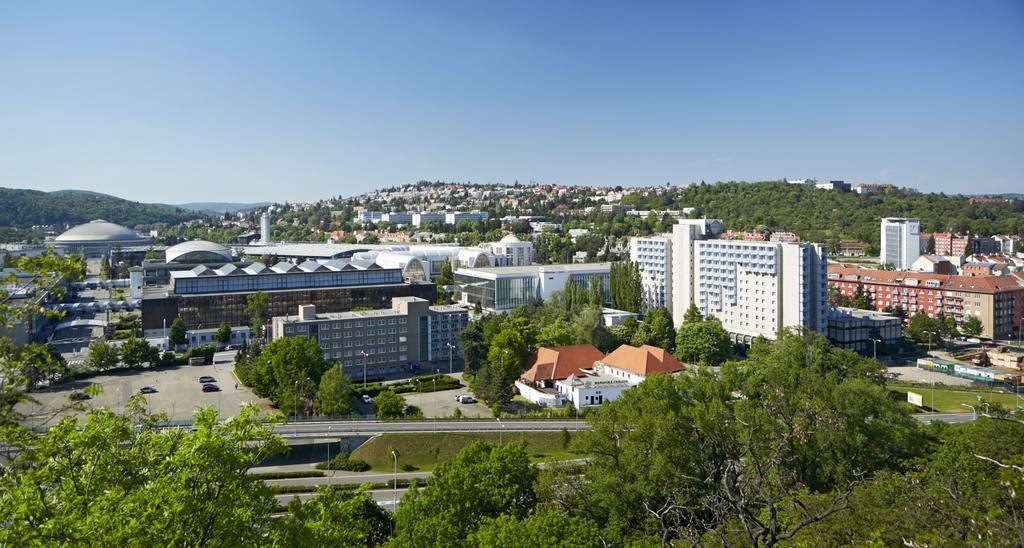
241, 101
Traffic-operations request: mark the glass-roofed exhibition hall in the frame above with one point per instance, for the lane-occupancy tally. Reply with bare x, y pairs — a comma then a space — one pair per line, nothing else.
204, 297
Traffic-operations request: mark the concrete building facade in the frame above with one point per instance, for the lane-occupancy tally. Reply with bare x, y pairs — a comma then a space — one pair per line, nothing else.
653, 258
754, 288
409, 336
900, 242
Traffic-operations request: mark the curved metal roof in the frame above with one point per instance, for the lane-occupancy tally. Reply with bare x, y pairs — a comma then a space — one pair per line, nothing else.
99, 231
176, 252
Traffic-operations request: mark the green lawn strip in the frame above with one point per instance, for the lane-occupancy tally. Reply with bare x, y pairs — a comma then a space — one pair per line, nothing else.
418, 449
288, 475
947, 400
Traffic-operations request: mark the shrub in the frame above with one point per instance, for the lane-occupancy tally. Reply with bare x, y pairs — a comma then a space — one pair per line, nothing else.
344, 461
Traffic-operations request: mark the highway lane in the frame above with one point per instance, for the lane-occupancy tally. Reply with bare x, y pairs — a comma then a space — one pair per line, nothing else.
352, 428
371, 427
350, 479
945, 417
383, 497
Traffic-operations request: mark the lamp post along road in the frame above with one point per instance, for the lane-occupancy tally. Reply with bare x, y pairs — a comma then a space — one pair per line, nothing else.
395, 496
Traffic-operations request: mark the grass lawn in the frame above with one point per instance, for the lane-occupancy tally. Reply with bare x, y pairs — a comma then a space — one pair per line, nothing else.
948, 400
417, 449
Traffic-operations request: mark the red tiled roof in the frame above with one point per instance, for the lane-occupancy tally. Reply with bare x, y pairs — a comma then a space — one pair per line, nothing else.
644, 360
977, 284
558, 363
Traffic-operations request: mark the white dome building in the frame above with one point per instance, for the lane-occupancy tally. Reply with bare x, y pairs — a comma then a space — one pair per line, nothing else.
511, 251
198, 251
97, 238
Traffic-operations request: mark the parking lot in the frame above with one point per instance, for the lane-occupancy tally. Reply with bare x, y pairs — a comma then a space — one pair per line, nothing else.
178, 392
915, 374
442, 404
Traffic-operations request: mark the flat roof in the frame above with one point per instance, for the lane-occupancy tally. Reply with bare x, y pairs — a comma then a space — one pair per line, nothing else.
537, 269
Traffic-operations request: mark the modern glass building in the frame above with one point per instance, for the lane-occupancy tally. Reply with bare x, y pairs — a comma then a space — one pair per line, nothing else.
205, 297
501, 289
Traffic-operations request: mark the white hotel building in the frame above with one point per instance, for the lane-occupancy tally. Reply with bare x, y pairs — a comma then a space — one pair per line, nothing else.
754, 288
653, 257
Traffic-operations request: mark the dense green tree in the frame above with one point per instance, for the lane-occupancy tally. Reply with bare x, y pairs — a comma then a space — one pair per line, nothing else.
692, 314
444, 279
836, 299
553, 335
624, 285
473, 348
256, 307
177, 335
223, 334
545, 527
663, 335
681, 457
587, 327
504, 364
119, 480
102, 355
135, 352
284, 370
925, 330
860, 298
388, 405
333, 518
483, 480
971, 325
335, 395
704, 342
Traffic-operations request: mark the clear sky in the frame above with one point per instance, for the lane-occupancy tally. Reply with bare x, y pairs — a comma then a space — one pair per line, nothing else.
243, 101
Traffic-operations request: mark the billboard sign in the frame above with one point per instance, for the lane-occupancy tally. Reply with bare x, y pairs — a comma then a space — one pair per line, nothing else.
915, 399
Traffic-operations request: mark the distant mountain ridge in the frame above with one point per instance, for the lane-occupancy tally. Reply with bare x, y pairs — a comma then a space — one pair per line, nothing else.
221, 207
23, 208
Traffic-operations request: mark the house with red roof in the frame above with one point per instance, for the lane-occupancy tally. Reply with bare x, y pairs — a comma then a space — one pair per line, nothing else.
537, 384
624, 367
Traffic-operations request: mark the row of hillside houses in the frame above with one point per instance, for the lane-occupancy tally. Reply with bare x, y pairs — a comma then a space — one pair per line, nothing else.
581, 375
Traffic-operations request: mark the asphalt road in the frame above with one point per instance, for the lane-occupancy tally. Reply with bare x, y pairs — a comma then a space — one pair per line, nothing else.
351, 428
385, 498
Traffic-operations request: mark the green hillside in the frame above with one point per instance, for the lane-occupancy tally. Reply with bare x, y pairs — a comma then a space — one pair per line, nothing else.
827, 216
25, 208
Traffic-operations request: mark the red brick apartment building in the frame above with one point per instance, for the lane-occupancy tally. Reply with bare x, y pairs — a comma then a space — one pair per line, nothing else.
998, 301
952, 245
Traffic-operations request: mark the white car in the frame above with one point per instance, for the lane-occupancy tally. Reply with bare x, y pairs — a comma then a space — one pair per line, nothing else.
464, 398
367, 398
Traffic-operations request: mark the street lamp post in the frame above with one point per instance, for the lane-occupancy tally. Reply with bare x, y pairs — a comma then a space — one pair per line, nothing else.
363, 352
501, 431
451, 354
973, 410
395, 486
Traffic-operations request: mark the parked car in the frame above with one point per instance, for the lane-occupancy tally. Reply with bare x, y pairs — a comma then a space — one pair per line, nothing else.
207, 378
78, 396
197, 360
367, 398
232, 347
211, 388
465, 398
147, 390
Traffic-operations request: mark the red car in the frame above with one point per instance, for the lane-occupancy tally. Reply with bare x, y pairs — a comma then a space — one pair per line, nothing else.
211, 388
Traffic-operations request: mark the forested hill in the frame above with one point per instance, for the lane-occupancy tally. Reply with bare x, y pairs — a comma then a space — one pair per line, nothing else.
24, 208
827, 216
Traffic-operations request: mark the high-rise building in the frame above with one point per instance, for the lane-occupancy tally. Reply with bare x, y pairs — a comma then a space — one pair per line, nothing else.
901, 242
653, 258
754, 288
